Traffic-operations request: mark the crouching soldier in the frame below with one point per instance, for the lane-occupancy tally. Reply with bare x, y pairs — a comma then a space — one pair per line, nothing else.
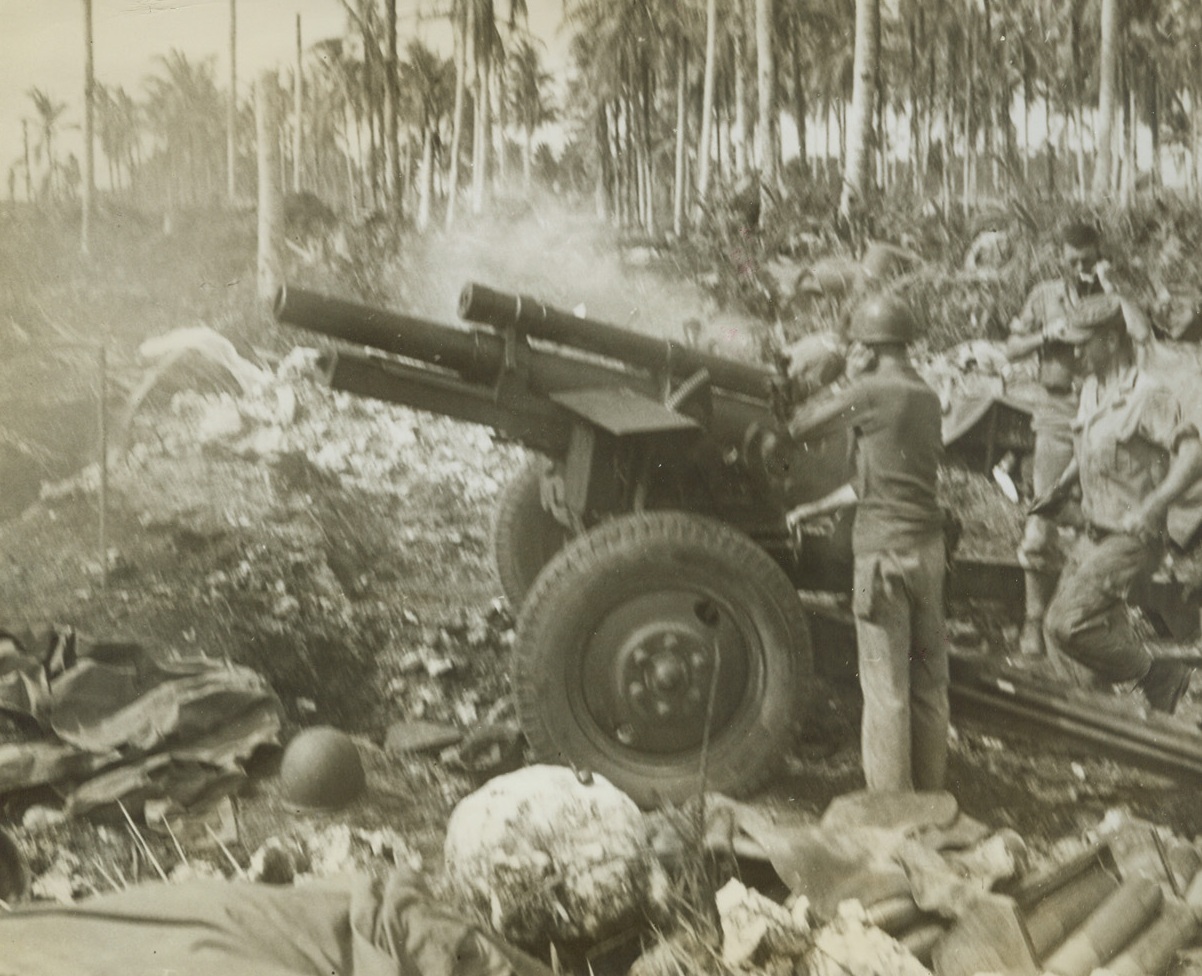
1135, 455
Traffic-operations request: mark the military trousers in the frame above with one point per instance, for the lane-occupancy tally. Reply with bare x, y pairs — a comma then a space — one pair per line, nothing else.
903, 663
1087, 621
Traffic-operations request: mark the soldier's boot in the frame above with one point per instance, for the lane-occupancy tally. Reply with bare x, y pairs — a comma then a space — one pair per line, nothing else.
1039, 588
1165, 684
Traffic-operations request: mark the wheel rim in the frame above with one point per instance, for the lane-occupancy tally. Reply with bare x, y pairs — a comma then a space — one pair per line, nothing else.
652, 663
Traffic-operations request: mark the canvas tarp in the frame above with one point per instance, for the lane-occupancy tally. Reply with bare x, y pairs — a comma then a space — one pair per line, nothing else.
351, 926
114, 723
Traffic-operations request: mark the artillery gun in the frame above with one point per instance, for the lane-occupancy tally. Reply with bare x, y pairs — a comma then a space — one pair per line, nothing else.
661, 638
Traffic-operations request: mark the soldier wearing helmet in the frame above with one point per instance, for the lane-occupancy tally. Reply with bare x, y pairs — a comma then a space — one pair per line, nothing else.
1135, 456
897, 540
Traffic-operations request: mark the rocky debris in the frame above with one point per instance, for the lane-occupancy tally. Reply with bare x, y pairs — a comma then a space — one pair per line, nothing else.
755, 927
547, 857
307, 851
850, 946
409, 737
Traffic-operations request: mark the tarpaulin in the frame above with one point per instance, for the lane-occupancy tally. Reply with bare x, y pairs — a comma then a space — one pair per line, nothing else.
868, 846
117, 724
351, 926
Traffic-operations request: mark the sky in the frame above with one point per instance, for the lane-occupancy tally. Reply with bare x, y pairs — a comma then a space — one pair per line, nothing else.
42, 45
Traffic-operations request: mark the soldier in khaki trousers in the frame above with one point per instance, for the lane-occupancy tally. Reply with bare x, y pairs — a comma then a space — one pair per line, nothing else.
898, 544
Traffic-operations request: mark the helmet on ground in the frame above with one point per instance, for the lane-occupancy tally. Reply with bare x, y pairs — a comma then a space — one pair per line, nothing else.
321, 770
883, 318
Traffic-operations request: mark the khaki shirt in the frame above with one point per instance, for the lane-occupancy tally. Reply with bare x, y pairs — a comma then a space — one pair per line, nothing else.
1049, 301
1125, 437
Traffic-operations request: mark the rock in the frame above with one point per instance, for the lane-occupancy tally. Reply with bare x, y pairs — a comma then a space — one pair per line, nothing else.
40, 817
755, 928
272, 863
405, 738
221, 420
545, 856
849, 946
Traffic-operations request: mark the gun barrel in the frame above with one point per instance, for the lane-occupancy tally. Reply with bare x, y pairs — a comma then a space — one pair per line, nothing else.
474, 354
502, 310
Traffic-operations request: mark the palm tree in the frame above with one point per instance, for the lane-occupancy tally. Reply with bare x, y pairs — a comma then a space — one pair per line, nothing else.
334, 114
625, 45
187, 114
49, 113
427, 82
707, 101
89, 144
231, 111
863, 101
530, 97
1108, 74
767, 104
117, 131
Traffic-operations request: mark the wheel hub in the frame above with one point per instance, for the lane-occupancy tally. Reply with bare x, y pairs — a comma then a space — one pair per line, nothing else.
666, 671
652, 665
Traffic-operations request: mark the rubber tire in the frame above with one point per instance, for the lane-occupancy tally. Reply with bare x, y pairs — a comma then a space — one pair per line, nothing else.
610, 564
525, 536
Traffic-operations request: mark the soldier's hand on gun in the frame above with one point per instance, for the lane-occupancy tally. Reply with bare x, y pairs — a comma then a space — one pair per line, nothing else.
818, 517
804, 520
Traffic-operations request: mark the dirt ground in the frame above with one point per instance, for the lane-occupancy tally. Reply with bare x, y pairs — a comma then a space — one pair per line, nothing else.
342, 548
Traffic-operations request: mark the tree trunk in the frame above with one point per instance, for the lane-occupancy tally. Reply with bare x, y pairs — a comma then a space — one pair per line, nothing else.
427, 178
740, 137
766, 103
369, 96
707, 102
682, 122
915, 114
502, 122
297, 112
28, 172
969, 133
270, 223
89, 100
1154, 125
481, 131
863, 97
392, 111
1108, 66
1130, 158
457, 118
231, 111
800, 107
604, 170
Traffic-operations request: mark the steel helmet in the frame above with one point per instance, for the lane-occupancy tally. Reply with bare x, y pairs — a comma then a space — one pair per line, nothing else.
321, 770
883, 318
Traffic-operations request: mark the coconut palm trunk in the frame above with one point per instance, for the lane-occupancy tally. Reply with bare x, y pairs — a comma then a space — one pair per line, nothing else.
1107, 84
682, 121
89, 100
766, 89
231, 109
460, 60
707, 101
863, 99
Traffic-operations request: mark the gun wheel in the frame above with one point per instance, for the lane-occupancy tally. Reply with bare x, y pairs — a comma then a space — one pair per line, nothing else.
525, 535
657, 638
